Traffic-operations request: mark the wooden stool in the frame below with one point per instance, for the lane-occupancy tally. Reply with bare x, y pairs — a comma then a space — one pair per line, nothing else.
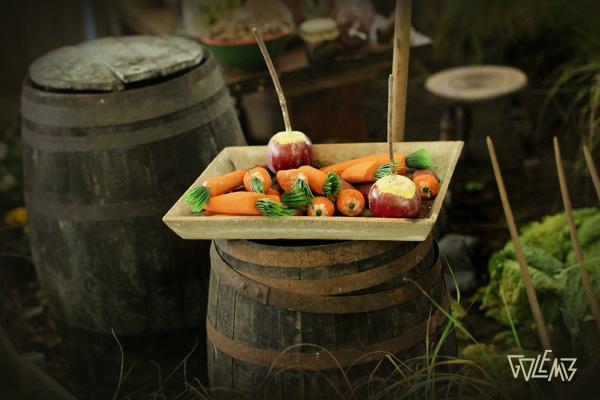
465, 86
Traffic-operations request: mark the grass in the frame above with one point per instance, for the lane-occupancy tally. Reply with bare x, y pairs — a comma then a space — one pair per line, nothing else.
432, 375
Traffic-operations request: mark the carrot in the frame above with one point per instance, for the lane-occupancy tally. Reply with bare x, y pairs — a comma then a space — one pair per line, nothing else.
386, 169
273, 191
339, 168
273, 209
361, 172
350, 202
316, 178
299, 196
214, 214
427, 184
320, 182
321, 207
425, 172
257, 180
286, 178
243, 203
199, 196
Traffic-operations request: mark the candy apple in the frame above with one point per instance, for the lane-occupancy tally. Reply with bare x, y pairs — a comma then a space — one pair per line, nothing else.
394, 196
288, 150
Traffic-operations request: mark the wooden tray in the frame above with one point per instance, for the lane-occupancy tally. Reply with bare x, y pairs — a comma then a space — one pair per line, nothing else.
180, 219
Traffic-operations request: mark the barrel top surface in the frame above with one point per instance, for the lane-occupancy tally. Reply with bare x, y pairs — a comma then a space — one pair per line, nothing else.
476, 83
108, 64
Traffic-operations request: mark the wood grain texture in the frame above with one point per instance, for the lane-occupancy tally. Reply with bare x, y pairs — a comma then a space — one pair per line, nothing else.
272, 329
188, 226
108, 64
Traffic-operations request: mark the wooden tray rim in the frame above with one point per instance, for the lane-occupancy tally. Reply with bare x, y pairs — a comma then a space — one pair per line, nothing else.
268, 224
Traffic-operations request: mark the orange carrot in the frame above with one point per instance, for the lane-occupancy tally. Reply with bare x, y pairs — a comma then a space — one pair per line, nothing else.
257, 180
237, 203
287, 178
339, 168
350, 202
199, 196
321, 207
427, 184
316, 178
361, 172
273, 191
226, 183
328, 184
214, 214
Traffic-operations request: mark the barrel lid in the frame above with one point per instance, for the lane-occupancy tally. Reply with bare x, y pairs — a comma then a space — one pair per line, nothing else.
108, 64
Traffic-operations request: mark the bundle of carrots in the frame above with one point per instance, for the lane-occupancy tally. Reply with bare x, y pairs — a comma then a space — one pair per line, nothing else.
306, 189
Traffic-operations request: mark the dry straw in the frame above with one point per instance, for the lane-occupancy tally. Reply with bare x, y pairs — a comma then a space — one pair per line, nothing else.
585, 277
512, 227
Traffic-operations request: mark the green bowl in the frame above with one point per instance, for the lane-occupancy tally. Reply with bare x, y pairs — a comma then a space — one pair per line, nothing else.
246, 54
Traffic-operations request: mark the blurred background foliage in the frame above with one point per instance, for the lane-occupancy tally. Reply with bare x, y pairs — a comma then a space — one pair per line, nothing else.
556, 42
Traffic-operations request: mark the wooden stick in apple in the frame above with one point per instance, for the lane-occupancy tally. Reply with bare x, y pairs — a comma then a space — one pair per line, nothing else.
394, 196
390, 130
288, 149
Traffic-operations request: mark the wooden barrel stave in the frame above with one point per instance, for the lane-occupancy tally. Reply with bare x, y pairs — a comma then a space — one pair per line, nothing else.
263, 326
101, 169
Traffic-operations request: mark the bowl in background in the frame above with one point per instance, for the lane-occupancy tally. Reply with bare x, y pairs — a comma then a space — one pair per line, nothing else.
245, 54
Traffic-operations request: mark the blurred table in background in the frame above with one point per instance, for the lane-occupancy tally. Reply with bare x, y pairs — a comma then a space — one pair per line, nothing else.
325, 98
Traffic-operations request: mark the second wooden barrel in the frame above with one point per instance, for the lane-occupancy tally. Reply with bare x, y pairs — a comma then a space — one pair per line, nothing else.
285, 317
118, 131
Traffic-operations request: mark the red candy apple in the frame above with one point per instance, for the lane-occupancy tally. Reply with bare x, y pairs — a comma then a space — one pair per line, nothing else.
394, 197
288, 150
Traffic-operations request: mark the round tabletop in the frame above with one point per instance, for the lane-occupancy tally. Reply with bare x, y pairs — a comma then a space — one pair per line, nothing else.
476, 83
108, 64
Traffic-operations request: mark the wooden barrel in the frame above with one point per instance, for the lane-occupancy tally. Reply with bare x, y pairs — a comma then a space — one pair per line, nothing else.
351, 301
105, 156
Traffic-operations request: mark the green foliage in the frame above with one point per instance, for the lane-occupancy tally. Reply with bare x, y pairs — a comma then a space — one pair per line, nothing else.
273, 209
298, 196
549, 255
575, 98
332, 185
552, 233
197, 198
557, 43
419, 159
537, 35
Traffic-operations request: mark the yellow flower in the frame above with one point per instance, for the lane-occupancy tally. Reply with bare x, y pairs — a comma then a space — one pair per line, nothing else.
16, 216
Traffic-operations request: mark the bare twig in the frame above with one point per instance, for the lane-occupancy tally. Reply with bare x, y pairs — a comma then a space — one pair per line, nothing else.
275, 78
512, 227
400, 66
593, 171
585, 277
